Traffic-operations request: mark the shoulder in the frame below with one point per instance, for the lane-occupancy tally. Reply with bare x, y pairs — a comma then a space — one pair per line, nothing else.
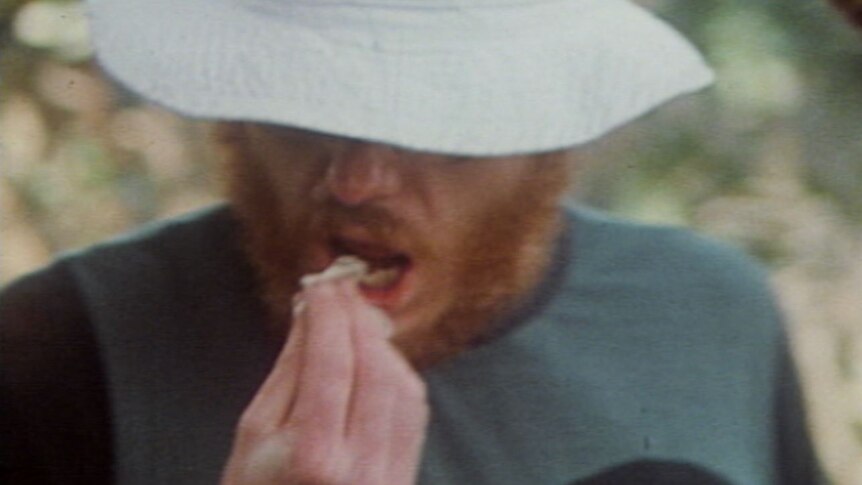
671, 270
175, 255
38, 303
676, 255
182, 259
195, 229
48, 303
54, 411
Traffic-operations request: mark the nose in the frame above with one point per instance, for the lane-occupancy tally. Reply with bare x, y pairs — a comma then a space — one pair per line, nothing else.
362, 173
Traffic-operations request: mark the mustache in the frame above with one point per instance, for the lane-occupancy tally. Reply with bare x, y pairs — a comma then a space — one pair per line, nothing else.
380, 223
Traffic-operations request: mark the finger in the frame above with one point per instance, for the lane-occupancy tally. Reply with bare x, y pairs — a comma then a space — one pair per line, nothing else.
408, 412
388, 414
408, 429
326, 367
265, 464
372, 404
377, 320
381, 324
271, 404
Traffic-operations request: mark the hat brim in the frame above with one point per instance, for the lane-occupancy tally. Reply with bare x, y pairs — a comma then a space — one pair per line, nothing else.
536, 77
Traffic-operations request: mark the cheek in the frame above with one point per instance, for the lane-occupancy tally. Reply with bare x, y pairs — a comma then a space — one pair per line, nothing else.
458, 207
293, 178
461, 191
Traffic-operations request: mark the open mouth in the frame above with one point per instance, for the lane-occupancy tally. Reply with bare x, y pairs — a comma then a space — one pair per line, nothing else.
388, 269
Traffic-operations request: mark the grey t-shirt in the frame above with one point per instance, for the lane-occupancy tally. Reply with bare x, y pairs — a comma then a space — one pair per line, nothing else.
647, 355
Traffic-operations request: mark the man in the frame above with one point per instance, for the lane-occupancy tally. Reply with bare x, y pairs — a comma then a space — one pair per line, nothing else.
497, 337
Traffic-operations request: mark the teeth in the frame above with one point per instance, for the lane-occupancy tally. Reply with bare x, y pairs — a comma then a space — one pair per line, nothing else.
380, 278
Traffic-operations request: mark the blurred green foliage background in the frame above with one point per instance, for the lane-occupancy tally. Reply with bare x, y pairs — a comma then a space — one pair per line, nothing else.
769, 159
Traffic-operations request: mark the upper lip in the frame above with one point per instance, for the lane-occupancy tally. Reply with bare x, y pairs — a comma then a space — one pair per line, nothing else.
368, 249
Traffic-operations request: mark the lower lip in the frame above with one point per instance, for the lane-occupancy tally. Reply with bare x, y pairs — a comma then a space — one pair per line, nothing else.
394, 295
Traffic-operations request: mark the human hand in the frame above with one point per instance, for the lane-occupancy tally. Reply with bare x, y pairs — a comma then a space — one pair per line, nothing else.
340, 406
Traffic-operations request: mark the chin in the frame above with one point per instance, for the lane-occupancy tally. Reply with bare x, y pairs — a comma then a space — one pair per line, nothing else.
410, 320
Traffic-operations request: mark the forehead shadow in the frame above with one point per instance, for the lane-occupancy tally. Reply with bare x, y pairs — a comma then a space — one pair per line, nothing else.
323, 137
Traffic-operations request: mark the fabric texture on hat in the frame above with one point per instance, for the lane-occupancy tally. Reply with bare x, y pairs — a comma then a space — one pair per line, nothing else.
477, 77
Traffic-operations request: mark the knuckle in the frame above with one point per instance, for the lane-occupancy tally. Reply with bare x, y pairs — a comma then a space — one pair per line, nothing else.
313, 464
251, 425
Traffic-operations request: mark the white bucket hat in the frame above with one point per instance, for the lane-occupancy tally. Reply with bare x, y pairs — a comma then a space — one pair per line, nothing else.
464, 77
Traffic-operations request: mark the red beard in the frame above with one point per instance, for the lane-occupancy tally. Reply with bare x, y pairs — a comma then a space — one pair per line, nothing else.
496, 263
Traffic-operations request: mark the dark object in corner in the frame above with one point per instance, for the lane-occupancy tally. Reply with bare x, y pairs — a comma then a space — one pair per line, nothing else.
852, 9
649, 472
